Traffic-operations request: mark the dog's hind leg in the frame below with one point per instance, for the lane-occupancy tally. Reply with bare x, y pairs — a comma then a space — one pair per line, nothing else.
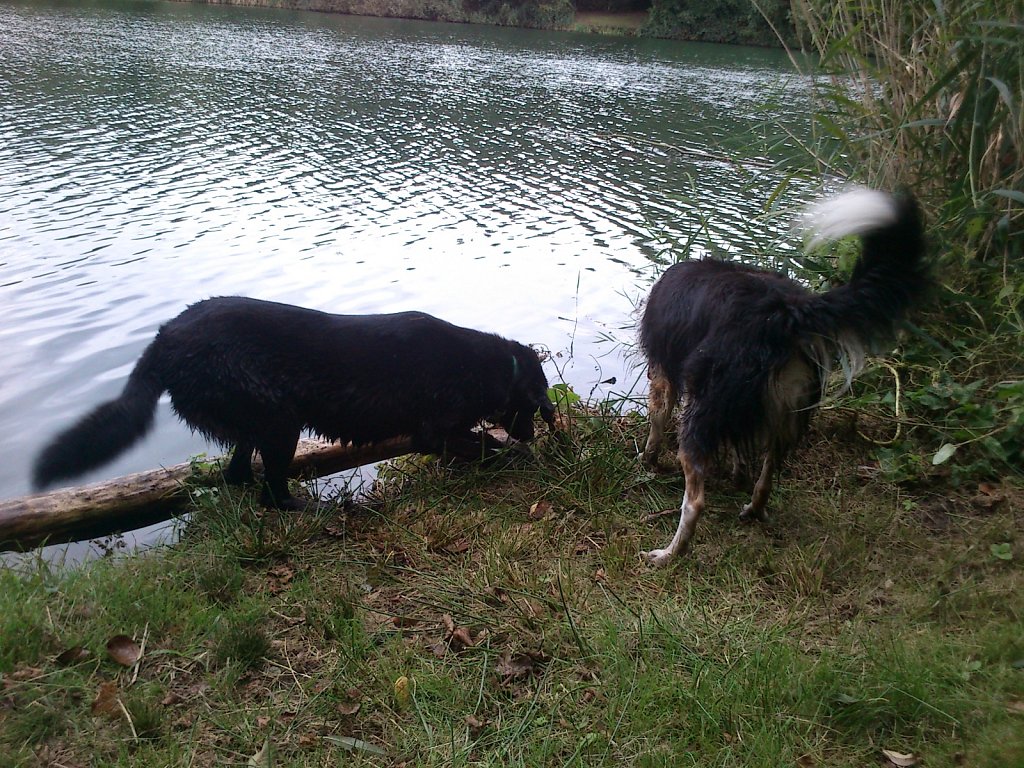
277, 450
239, 469
755, 510
661, 399
689, 513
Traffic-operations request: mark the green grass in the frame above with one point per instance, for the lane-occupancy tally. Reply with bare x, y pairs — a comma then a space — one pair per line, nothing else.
864, 617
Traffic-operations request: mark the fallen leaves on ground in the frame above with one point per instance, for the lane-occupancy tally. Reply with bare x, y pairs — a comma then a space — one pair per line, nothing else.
105, 702
352, 702
456, 638
280, 577
73, 655
123, 650
476, 726
540, 509
513, 666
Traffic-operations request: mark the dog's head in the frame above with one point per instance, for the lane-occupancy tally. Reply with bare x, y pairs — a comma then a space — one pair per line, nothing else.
527, 395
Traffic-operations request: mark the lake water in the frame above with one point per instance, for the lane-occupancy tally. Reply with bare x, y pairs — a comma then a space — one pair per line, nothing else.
155, 154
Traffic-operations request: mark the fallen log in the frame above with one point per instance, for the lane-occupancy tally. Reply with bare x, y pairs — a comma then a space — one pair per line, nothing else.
135, 501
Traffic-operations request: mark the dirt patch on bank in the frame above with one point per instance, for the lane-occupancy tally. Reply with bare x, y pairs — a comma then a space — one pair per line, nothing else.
601, 21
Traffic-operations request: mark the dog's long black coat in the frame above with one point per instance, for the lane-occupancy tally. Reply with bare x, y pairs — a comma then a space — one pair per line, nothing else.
746, 350
256, 374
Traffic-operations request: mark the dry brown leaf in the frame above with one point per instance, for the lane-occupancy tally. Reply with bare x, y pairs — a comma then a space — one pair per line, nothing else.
123, 650
353, 700
531, 607
987, 488
170, 699
73, 655
985, 503
449, 624
539, 510
25, 673
439, 649
496, 595
105, 702
335, 530
461, 638
280, 577
513, 666
457, 547
901, 759
476, 725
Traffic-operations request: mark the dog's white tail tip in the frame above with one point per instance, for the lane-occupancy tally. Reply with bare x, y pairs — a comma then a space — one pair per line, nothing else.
854, 212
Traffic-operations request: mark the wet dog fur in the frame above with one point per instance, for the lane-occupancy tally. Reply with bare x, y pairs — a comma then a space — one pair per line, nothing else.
256, 374
746, 352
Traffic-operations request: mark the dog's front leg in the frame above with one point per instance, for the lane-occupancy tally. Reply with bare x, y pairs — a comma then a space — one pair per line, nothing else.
277, 449
689, 513
239, 469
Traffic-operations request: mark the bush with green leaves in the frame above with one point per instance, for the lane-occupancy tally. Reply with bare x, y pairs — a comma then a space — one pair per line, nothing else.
721, 21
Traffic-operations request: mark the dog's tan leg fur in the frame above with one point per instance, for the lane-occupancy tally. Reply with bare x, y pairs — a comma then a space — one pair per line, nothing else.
762, 490
689, 514
661, 399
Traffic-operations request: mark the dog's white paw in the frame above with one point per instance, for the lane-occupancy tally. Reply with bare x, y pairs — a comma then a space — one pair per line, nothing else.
658, 557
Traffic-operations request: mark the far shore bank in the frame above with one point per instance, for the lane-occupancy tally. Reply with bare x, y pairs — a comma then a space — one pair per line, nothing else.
658, 20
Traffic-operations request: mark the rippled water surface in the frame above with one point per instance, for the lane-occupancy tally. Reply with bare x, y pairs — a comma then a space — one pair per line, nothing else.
155, 154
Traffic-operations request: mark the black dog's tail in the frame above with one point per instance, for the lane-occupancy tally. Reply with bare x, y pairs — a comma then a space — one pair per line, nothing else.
890, 275
107, 431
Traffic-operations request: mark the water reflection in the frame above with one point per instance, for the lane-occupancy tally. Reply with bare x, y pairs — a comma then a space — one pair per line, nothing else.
155, 154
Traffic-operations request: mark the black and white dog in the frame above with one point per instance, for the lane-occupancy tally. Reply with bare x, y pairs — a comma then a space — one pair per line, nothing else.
747, 352
256, 374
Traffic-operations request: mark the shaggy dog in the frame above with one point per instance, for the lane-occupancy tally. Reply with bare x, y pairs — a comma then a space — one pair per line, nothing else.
747, 352
256, 374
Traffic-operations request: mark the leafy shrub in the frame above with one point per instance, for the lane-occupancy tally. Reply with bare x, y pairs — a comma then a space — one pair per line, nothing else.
721, 21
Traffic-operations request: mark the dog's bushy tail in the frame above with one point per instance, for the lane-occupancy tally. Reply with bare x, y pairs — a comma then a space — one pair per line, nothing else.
850, 320
105, 432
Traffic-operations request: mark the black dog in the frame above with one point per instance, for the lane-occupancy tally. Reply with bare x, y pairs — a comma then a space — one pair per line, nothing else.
256, 374
747, 352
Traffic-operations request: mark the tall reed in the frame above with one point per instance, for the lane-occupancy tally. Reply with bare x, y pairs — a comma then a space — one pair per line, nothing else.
930, 94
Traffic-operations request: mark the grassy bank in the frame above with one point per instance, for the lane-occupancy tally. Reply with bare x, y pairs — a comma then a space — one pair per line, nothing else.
469, 616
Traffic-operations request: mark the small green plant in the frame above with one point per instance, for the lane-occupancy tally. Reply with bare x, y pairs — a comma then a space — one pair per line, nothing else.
1001, 551
563, 396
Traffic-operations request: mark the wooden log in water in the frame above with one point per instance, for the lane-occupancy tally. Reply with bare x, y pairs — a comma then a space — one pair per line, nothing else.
131, 502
